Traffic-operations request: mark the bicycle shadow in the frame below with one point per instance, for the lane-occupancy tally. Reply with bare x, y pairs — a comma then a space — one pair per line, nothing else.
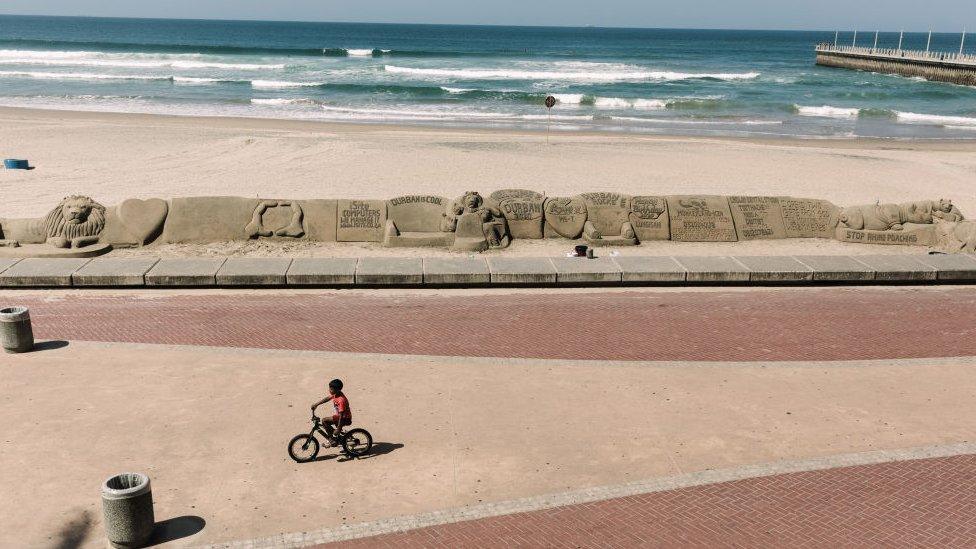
379, 449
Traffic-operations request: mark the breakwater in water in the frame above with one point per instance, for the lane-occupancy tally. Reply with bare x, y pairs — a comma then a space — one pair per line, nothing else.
937, 66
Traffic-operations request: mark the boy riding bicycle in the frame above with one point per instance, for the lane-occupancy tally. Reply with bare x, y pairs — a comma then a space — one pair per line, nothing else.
342, 415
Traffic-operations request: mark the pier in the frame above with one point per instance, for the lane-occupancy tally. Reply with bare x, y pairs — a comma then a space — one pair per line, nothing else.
957, 68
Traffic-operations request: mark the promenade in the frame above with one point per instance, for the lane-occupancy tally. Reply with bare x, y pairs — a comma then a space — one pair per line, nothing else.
631, 417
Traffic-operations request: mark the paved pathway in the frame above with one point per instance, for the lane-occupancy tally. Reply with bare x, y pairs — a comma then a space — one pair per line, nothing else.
920, 503
771, 324
924, 502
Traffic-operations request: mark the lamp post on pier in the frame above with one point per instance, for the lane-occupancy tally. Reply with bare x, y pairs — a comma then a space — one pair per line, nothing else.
854, 43
962, 43
900, 37
929, 43
836, 35
875, 41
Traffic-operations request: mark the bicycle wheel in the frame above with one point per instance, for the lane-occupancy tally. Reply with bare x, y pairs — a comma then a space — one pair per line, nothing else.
357, 442
303, 448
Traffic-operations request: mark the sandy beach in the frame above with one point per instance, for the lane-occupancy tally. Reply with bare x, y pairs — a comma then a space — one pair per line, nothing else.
112, 157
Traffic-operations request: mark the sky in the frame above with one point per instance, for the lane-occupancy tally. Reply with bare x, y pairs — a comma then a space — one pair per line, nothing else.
940, 15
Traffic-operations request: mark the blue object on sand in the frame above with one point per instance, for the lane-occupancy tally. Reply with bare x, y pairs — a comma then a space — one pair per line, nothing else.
14, 164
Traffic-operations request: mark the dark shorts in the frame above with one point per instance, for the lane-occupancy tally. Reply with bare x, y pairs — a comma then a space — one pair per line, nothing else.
342, 422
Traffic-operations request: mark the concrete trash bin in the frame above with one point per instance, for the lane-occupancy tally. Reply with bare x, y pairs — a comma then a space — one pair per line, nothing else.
128, 509
16, 334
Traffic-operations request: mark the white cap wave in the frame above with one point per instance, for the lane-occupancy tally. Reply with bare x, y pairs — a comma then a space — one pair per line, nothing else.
826, 111
634, 74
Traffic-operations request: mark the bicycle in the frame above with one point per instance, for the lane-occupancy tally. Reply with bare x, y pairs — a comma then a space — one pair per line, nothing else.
354, 442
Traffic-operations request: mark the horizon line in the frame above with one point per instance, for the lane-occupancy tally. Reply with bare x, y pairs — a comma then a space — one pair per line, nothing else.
254, 20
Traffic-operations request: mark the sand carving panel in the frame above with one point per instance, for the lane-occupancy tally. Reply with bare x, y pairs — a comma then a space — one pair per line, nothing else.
225, 218
564, 217
417, 220
809, 218
476, 225
608, 219
957, 236
523, 211
701, 219
757, 217
361, 220
72, 229
909, 223
649, 217
276, 218
81, 227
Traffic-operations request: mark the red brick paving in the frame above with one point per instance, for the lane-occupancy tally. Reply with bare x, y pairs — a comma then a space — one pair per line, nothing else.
778, 324
922, 503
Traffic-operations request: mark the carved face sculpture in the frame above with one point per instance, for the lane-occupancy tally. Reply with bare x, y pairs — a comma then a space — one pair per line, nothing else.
472, 200
76, 209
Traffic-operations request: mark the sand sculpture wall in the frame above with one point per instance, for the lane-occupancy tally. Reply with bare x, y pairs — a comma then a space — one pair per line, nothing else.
80, 226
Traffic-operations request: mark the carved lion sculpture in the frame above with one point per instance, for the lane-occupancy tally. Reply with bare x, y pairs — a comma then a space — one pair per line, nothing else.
76, 222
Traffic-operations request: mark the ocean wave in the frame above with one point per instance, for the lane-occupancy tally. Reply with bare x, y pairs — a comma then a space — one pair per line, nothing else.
282, 84
827, 111
206, 81
569, 98
557, 117
280, 101
354, 52
417, 113
698, 121
935, 119
80, 76
135, 60
588, 76
149, 47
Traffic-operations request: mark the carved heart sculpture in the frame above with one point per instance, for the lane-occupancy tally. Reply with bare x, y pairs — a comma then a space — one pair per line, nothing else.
143, 219
566, 216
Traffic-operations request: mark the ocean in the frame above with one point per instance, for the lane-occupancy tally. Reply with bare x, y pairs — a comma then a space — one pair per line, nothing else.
655, 81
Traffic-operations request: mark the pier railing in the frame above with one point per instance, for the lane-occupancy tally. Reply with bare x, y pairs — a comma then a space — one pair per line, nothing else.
906, 55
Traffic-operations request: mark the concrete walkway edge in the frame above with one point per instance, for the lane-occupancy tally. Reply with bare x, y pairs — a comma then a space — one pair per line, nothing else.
479, 271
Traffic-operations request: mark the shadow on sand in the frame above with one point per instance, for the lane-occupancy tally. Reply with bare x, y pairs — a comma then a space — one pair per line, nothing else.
176, 528
74, 533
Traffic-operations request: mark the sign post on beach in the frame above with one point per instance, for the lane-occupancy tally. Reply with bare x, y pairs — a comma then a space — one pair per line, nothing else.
550, 103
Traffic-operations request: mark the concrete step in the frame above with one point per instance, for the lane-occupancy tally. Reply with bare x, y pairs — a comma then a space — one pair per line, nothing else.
476, 270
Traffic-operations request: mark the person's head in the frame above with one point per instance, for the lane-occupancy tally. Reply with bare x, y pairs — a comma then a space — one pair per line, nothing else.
335, 386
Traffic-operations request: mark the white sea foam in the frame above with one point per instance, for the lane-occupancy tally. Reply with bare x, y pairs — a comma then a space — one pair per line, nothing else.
697, 122
417, 113
650, 104
587, 76
456, 90
611, 103
80, 76
557, 117
359, 53
569, 98
136, 60
279, 101
621, 103
201, 81
278, 84
916, 118
827, 111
